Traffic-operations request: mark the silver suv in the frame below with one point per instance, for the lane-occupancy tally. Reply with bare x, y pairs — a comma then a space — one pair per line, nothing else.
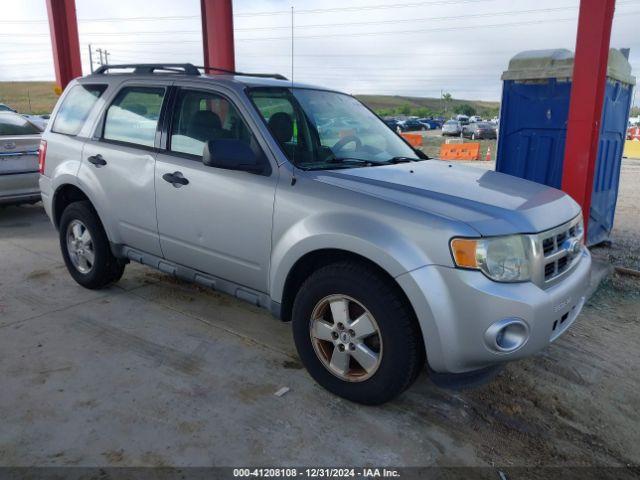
383, 260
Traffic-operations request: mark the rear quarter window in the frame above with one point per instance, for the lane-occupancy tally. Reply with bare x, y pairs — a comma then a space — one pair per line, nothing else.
75, 108
133, 116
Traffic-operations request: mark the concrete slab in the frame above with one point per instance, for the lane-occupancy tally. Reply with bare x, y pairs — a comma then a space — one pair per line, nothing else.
155, 372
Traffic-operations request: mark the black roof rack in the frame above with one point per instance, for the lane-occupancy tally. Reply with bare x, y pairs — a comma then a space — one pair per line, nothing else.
277, 76
185, 68
141, 68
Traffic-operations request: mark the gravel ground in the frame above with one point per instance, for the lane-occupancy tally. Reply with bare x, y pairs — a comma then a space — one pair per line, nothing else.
624, 249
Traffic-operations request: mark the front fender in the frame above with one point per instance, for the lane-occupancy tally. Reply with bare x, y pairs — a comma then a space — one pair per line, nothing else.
354, 233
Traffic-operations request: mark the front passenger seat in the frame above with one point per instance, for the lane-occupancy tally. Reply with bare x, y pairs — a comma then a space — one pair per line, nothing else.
281, 126
205, 125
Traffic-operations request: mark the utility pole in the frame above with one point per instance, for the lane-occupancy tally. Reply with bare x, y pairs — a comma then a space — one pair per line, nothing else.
106, 57
100, 51
90, 59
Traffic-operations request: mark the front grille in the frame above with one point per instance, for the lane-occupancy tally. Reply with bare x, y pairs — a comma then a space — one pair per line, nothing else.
549, 269
559, 252
562, 264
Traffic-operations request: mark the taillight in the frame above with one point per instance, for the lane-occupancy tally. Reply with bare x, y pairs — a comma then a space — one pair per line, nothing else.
42, 155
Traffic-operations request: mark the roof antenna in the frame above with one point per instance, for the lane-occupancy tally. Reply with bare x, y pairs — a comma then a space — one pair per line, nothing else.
293, 174
292, 27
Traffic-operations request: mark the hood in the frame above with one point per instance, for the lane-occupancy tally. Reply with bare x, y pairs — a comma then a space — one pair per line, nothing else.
490, 202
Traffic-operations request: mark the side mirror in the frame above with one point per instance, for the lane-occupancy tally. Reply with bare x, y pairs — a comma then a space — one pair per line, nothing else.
231, 154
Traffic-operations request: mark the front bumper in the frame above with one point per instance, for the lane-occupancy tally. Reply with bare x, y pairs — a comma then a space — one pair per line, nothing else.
456, 307
18, 188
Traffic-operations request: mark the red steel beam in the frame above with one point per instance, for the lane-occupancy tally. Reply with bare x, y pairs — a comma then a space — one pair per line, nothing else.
217, 34
63, 26
587, 97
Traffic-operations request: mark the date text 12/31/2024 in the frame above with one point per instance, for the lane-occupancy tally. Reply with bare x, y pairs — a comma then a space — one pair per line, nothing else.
315, 473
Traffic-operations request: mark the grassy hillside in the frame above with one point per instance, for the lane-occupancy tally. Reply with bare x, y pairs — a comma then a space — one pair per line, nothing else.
28, 97
389, 104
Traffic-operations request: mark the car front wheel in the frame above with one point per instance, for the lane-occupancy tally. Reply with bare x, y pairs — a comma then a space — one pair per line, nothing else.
355, 334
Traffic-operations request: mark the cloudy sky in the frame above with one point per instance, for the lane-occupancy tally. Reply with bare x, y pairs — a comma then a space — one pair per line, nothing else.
403, 47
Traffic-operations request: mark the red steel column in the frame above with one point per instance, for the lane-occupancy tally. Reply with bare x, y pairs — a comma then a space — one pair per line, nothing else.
587, 96
217, 34
63, 26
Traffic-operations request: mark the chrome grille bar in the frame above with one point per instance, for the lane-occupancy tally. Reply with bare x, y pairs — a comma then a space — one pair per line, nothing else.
556, 252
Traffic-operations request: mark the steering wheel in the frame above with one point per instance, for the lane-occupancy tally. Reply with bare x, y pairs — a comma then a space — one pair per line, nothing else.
340, 144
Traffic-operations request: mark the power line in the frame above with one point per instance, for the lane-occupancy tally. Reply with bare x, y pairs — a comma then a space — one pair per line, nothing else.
329, 25
264, 13
430, 30
424, 19
378, 33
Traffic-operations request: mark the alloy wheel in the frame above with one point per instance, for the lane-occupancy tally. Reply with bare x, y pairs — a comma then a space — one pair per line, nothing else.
80, 246
346, 338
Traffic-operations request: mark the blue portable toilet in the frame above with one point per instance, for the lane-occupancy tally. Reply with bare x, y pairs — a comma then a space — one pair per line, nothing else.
533, 126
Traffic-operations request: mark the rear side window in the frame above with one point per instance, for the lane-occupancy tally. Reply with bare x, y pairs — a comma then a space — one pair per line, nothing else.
14, 124
133, 116
75, 108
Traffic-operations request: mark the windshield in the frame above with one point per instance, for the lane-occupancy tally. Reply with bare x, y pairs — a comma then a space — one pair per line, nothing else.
317, 129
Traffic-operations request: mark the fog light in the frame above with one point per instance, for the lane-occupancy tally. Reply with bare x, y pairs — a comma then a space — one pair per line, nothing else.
507, 335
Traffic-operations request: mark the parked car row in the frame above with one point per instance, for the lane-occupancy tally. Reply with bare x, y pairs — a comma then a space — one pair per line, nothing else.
413, 124
473, 127
476, 130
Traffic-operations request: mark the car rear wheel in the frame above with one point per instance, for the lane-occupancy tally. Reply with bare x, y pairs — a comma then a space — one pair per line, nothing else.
85, 247
355, 334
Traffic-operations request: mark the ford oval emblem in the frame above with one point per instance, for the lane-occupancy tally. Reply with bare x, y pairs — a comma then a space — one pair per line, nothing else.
574, 247
9, 146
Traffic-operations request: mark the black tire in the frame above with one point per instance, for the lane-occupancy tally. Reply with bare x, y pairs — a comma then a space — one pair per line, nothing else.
106, 268
403, 351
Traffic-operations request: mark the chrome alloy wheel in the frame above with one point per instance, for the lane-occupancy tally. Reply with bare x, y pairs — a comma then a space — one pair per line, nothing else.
346, 338
80, 246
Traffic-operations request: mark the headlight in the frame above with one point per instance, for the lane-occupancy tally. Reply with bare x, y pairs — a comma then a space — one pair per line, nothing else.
503, 259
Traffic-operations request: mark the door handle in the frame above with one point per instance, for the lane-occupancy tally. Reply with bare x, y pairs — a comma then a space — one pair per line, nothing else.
97, 160
176, 179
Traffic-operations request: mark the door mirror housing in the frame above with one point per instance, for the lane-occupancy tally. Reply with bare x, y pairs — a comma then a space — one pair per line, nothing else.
231, 154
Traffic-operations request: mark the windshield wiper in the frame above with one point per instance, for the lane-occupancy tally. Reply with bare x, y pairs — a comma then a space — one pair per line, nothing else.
348, 159
402, 160
338, 162
392, 160
346, 162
